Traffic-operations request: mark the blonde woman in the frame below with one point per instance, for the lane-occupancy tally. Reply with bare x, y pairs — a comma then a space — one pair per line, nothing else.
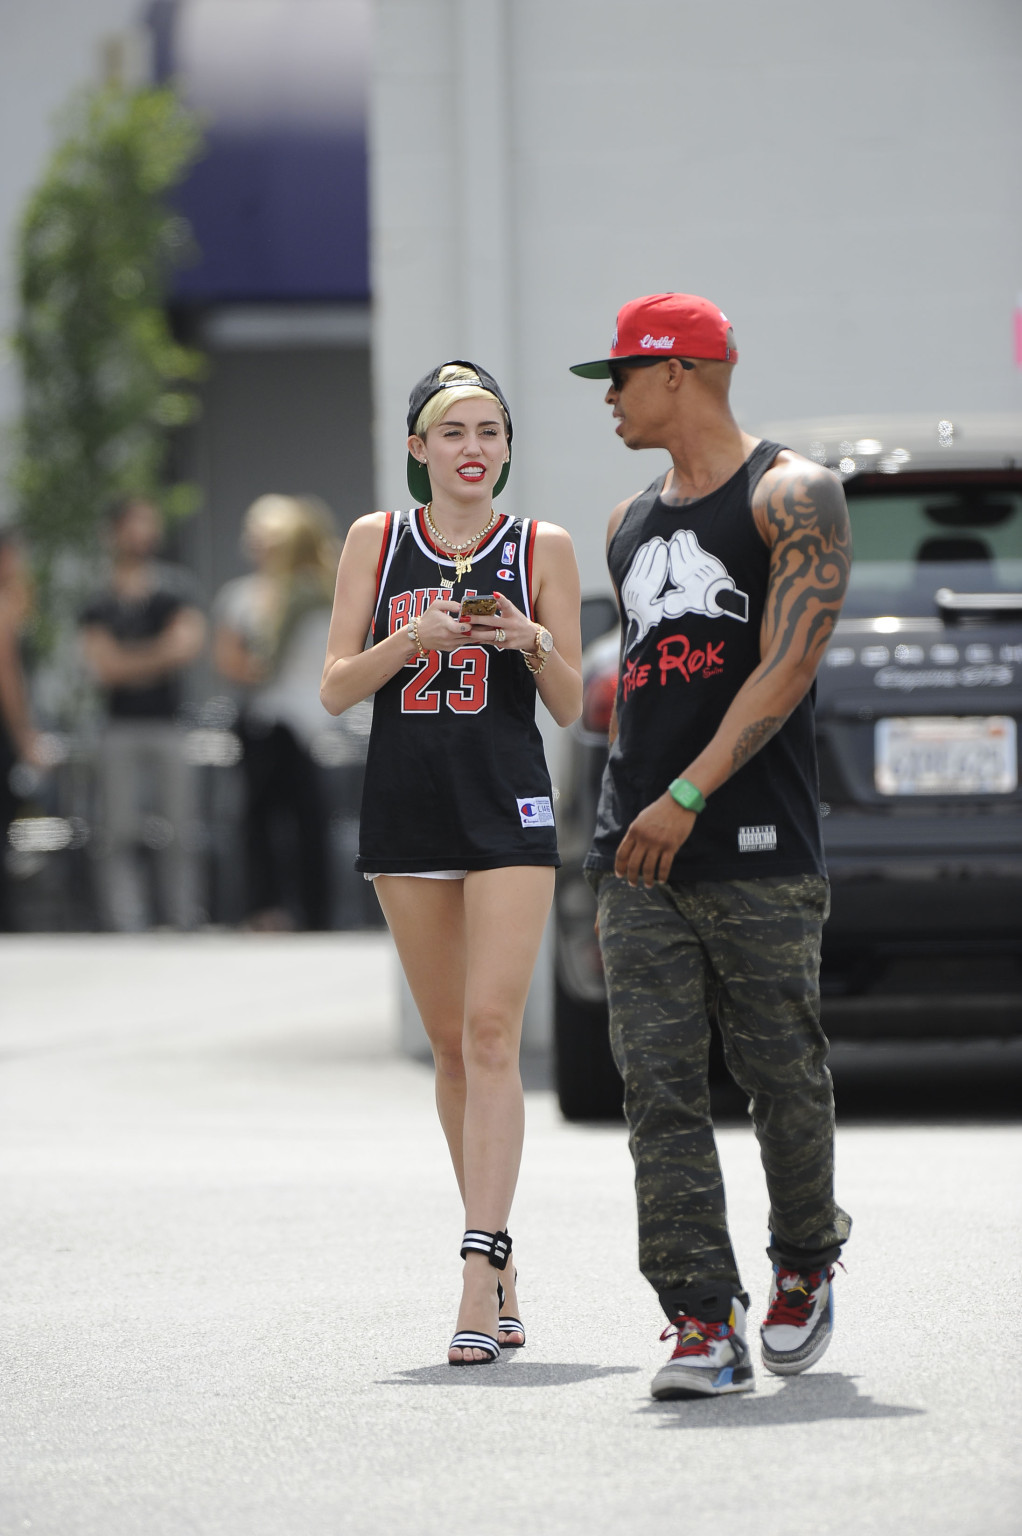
269, 631
457, 826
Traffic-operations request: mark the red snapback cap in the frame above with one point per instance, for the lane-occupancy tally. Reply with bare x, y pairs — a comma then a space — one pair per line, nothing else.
665, 325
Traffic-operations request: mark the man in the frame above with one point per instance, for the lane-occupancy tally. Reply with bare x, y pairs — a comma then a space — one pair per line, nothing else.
707, 858
139, 636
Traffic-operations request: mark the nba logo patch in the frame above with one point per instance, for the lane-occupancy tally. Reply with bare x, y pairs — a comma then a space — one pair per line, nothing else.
537, 812
509, 553
504, 574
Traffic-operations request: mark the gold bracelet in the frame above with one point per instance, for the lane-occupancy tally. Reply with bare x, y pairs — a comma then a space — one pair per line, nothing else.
542, 662
414, 628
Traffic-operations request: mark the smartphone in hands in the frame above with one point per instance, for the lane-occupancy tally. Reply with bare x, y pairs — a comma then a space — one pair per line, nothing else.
472, 606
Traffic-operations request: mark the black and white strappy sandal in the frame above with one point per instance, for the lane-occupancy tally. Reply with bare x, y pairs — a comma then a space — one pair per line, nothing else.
497, 1247
508, 1324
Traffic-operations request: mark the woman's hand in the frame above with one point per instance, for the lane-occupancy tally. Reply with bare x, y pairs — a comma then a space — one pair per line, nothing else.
519, 632
439, 627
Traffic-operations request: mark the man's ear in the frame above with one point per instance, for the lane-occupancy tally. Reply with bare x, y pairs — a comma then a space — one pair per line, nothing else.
675, 373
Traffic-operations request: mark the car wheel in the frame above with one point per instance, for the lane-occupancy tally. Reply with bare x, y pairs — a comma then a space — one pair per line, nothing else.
588, 1082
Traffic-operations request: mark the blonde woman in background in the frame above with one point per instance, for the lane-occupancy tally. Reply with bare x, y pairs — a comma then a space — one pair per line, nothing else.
269, 632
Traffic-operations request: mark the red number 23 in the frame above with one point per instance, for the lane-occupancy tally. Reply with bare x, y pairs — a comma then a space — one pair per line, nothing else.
418, 698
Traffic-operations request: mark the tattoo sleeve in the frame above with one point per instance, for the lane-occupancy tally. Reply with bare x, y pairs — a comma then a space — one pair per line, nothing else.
752, 738
812, 554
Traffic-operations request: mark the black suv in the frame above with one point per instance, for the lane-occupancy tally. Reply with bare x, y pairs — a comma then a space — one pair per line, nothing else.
918, 710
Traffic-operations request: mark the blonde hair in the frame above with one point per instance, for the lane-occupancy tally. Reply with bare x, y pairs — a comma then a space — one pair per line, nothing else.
298, 532
460, 384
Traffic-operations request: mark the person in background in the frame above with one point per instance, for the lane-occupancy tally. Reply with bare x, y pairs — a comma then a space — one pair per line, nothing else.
269, 636
20, 742
139, 635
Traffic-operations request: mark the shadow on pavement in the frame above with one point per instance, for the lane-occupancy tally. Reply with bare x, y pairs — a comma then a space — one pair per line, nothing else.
804, 1400
515, 1373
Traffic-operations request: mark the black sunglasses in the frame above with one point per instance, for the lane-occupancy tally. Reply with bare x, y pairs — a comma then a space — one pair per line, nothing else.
617, 370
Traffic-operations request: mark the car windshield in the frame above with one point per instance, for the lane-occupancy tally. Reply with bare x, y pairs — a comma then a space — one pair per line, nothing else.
915, 533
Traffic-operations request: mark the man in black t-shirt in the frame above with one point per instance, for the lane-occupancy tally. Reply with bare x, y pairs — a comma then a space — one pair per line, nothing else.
707, 859
139, 635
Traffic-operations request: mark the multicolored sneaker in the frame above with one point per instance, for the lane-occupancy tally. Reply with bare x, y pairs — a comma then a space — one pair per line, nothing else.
799, 1320
709, 1358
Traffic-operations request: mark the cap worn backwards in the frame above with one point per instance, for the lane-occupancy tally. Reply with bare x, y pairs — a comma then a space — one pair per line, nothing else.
422, 393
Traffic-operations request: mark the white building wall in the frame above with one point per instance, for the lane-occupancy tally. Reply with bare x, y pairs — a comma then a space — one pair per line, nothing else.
841, 179
48, 50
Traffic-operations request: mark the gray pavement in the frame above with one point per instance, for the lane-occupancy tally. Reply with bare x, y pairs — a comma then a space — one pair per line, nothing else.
231, 1274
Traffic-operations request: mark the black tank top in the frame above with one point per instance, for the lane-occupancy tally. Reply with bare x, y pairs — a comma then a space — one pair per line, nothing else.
691, 584
455, 776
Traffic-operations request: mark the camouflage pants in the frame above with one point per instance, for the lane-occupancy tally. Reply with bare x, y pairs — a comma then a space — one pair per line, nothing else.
749, 952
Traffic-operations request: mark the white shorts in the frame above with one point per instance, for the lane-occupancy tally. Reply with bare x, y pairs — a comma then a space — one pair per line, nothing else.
423, 874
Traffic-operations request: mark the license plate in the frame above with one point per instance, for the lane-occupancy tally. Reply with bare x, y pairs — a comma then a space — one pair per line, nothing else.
943, 755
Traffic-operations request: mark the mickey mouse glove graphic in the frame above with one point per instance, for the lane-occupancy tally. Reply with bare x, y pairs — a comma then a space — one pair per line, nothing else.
640, 592
700, 583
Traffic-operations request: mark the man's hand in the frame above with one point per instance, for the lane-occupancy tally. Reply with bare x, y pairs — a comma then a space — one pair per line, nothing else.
640, 594
648, 848
699, 578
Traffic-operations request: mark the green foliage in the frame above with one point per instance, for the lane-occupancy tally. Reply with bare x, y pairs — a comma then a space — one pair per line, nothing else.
104, 381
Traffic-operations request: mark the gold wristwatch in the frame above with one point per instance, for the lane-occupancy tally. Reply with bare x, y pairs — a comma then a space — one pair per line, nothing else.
544, 645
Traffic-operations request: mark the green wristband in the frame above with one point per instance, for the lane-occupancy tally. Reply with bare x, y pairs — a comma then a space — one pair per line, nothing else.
686, 794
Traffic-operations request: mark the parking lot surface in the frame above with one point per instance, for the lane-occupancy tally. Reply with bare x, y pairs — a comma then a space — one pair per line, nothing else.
231, 1275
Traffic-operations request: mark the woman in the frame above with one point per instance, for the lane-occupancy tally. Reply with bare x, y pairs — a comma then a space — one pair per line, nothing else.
268, 637
457, 827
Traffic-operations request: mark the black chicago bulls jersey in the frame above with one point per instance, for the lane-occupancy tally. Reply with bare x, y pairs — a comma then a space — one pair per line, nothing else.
455, 777
691, 584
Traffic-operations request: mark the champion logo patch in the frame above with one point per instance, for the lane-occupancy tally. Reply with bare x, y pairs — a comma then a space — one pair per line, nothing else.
503, 574
757, 839
507, 558
536, 813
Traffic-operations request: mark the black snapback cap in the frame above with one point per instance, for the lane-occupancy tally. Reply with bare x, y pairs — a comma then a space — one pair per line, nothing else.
429, 385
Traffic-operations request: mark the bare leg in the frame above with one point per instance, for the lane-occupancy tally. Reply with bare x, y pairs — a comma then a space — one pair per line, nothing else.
427, 920
505, 913
468, 950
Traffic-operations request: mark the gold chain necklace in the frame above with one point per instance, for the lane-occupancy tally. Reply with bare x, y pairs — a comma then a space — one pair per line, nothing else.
462, 561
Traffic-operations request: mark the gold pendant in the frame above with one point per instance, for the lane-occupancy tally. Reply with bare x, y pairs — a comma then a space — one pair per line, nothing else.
462, 566
446, 584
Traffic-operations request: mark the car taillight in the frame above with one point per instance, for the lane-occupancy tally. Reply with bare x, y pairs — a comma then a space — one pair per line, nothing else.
598, 700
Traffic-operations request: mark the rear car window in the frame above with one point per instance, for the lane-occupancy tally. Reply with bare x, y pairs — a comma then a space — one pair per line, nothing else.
915, 533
